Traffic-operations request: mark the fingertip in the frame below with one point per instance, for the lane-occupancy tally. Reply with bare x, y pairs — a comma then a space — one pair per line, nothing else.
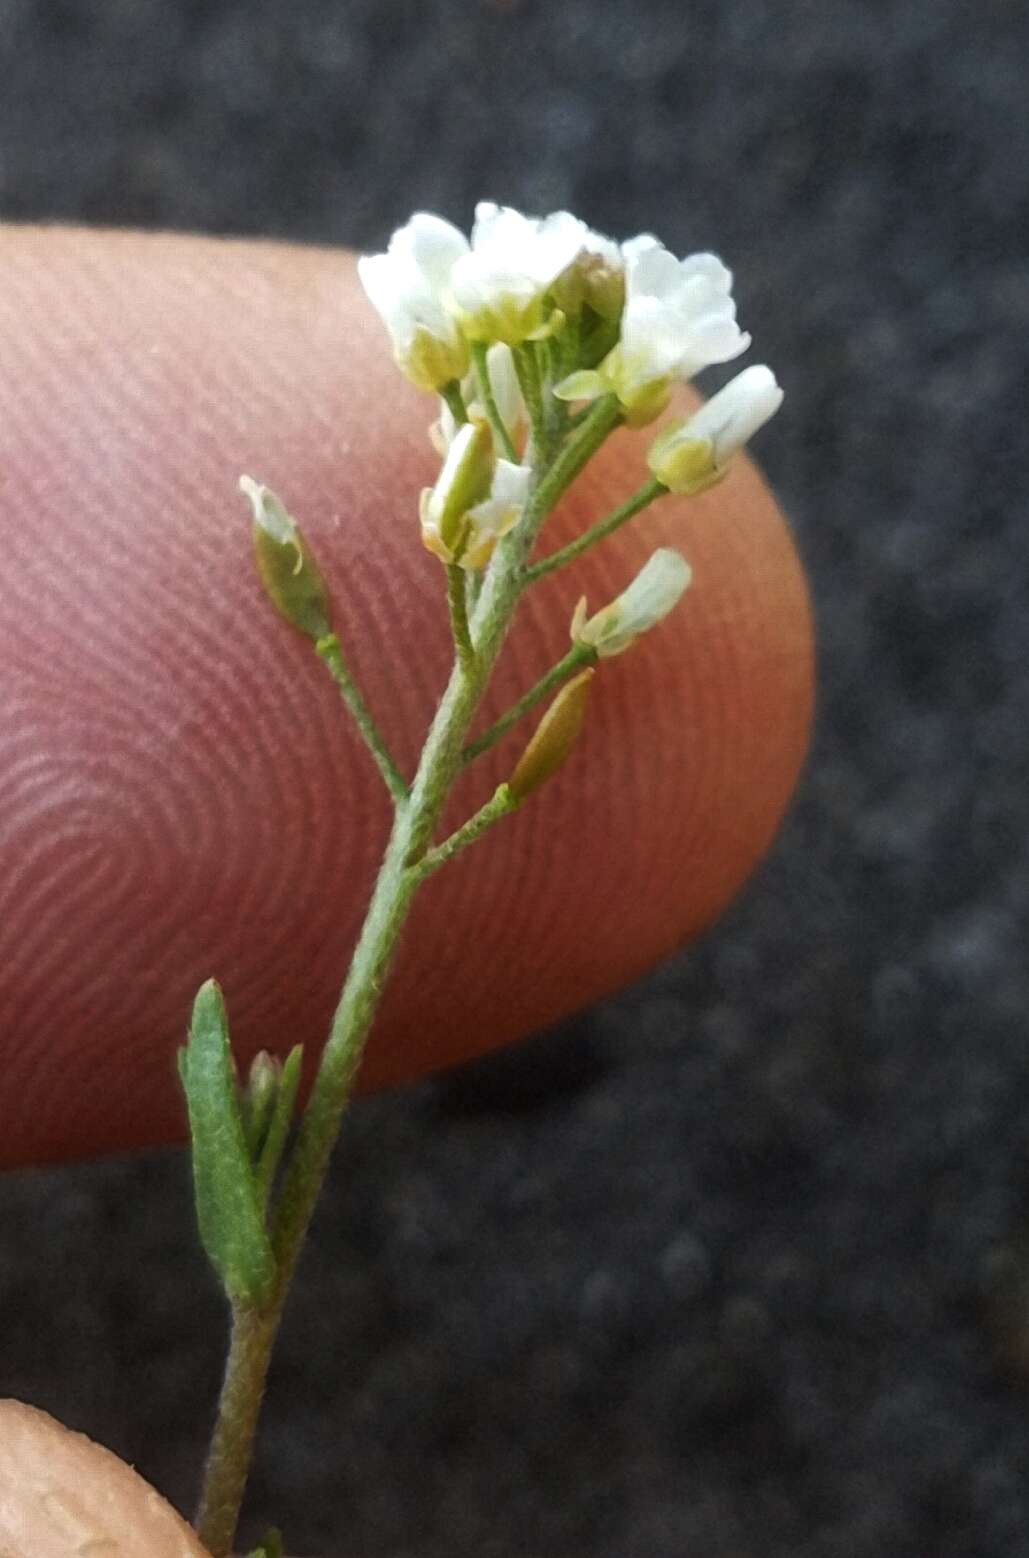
181, 793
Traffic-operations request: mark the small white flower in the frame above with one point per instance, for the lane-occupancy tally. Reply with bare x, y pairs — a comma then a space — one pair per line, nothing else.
679, 314
407, 285
648, 599
691, 455
679, 317
497, 288
497, 514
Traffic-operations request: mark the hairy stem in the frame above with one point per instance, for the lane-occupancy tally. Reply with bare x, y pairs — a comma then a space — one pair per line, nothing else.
228, 1458
457, 600
598, 532
500, 804
403, 867
328, 650
528, 373
579, 656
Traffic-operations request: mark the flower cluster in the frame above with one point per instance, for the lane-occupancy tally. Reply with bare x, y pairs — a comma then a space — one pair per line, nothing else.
546, 307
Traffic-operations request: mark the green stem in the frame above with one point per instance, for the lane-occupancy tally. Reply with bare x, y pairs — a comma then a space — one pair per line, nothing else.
500, 804
451, 393
629, 509
579, 656
228, 1458
328, 649
457, 600
575, 419
605, 415
254, 1330
488, 399
555, 412
473, 588
527, 371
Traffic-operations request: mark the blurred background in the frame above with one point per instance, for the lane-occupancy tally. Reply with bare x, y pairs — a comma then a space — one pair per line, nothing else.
734, 1264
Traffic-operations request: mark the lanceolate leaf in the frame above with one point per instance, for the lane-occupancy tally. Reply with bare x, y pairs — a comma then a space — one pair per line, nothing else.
229, 1210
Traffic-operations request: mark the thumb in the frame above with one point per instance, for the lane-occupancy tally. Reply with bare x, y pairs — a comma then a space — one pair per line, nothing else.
181, 793
62, 1496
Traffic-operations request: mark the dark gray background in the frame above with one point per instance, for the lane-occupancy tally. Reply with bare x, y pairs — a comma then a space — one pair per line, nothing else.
732, 1265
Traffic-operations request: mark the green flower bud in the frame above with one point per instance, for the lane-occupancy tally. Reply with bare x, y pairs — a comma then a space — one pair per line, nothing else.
257, 1099
594, 281
229, 1208
463, 483
291, 577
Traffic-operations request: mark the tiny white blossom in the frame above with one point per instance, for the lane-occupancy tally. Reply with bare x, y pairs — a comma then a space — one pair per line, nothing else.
497, 514
648, 599
691, 455
679, 318
408, 285
679, 314
497, 288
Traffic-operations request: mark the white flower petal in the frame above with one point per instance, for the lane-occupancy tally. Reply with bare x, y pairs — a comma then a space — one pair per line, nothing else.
732, 417
656, 589
497, 288
504, 382
690, 456
432, 245
406, 285
511, 482
679, 318
269, 511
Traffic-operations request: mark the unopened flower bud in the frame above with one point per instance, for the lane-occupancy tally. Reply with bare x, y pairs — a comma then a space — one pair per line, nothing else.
692, 455
463, 482
595, 279
553, 739
257, 1099
656, 589
291, 577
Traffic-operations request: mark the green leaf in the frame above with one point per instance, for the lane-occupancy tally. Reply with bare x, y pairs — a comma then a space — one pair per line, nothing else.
230, 1214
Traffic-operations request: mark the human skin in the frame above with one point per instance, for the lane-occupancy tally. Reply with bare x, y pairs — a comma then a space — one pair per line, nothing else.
62, 1496
181, 794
